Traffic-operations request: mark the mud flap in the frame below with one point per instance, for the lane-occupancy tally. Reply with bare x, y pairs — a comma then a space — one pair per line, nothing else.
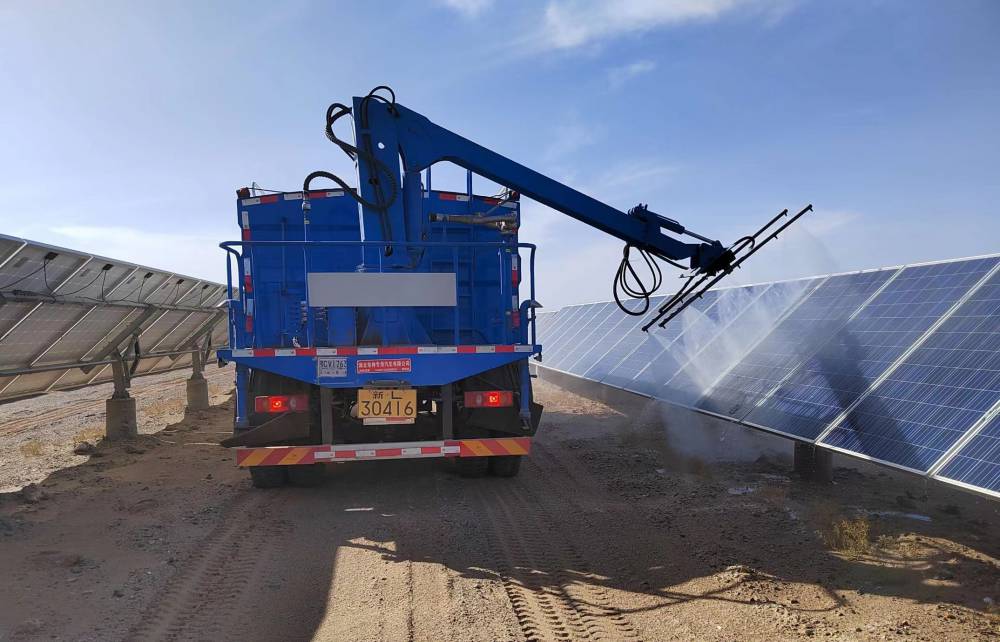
283, 429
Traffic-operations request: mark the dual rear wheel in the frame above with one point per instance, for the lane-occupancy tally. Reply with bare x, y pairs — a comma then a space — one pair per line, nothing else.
506, 466
275, 476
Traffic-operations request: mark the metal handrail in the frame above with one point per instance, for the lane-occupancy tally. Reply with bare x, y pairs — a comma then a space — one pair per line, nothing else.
526, 318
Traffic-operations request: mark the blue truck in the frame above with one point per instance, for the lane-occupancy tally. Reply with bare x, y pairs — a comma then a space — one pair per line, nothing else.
393, 320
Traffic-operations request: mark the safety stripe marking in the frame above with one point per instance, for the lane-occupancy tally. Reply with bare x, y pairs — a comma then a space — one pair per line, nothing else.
296, 455
379, 350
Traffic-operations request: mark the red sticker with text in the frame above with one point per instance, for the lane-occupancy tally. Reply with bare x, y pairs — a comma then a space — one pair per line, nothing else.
366, 366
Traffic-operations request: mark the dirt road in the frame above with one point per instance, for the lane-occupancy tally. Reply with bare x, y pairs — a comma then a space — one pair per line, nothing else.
606, 535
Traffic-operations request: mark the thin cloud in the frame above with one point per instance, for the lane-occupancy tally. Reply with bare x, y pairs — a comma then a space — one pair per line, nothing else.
618, 76
569, 24
190, 254
468, 8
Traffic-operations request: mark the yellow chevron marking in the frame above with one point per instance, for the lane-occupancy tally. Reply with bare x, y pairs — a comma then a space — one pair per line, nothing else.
513, 447
255, 457
479, 448
294, 457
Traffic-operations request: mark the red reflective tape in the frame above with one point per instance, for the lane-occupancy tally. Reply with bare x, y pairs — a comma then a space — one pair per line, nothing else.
466, 349
397, 350
491, 201
430, 450
347, 351
444, 196
263, 352
317, 194
505, 348
247, 283
344, 454
246, 235
249, 324
269, 199
389, 452
305, 352
275, 456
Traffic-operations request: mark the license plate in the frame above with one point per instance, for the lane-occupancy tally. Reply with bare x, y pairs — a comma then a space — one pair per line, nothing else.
387, 406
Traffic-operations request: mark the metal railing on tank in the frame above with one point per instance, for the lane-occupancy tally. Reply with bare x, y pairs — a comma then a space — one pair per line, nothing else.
521, 315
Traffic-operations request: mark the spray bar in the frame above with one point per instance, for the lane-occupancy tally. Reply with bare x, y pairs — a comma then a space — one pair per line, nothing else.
693, 290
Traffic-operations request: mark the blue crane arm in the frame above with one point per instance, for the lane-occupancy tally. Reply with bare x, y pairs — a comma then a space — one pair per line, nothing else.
390, 131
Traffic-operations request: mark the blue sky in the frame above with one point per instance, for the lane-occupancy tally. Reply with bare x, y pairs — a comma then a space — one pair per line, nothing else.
127, 127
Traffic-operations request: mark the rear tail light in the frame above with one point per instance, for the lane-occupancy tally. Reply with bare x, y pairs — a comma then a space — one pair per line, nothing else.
489, 399
281, 403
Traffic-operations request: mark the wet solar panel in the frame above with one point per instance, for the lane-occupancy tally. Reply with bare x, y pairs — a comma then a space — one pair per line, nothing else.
789, 343
865, 346
935, 394
899, 365
977, 463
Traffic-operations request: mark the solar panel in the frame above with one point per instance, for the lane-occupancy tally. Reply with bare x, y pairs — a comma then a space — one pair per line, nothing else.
63, 313
744, 320
580, 328
623, 344
565, 323
977, 464
900, 366
600, 314
813, 319
848, 360
665, 360
612, 332
646, 347
936, 394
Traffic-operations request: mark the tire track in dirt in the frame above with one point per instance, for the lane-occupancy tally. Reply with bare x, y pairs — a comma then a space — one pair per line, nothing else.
195, 603
549, 601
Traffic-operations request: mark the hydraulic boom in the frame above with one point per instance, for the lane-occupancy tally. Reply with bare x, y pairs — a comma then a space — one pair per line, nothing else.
387, 132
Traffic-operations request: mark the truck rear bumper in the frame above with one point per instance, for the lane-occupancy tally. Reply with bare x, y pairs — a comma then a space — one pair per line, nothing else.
303, 455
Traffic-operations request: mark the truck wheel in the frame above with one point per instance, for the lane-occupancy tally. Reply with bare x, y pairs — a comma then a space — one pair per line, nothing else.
267, 476
306, 475
472, 466
505, 466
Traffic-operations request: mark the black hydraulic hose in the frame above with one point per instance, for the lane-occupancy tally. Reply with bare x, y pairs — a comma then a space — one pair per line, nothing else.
638, 291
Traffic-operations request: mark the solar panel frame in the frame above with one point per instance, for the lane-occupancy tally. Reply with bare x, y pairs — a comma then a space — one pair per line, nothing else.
601, 313
738, 390
841, 368
911, 389
974, 463
64, 307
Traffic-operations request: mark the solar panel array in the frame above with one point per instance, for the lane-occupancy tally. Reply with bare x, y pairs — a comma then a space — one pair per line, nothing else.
900, 365
64, 313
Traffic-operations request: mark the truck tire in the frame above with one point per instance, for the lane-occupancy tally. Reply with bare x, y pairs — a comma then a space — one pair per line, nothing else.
472, 466
267, 476
306, 476
505, 466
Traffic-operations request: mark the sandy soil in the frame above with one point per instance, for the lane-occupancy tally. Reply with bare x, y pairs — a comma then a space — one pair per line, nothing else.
606, 535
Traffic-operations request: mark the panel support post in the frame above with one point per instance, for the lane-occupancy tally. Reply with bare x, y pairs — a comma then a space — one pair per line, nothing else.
120, 418
448, 411
197, 385
813, 464
326, 414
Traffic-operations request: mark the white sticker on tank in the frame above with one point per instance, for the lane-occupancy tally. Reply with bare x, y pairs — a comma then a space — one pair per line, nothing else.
327, 367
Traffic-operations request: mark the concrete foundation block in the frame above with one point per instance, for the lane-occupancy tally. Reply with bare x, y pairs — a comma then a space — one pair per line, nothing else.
813, 464
197, 394
120, 419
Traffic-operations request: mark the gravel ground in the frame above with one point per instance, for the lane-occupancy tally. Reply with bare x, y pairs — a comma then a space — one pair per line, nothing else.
607, 534
37, 435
